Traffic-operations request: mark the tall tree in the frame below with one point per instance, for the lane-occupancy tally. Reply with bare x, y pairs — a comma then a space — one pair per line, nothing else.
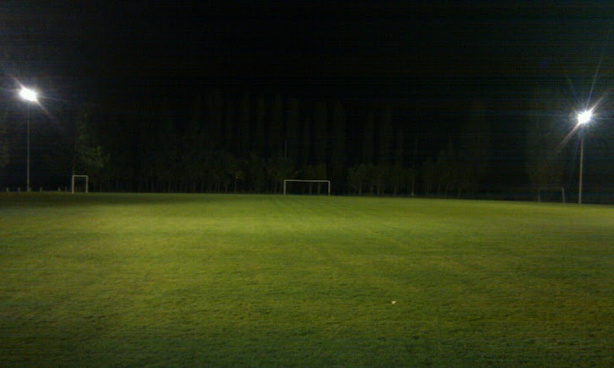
599, 156
320, 120
475, 149
386, 137
165, 152
216, 113
315, 172
414, 169
368, 138
146, 144
195, 152
244, 130
357, 177
338, 144
279, 169
545, 161
399, 157
257, 173
306, 143
428, 176
4, 142
398, 174
89, 156
229, 127
293, 126
276, 128
446, 170
259, 144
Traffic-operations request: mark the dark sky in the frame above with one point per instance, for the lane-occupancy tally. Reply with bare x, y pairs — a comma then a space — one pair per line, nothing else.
432, 57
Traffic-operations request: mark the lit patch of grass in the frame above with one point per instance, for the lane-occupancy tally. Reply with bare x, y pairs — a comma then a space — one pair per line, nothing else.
215, 280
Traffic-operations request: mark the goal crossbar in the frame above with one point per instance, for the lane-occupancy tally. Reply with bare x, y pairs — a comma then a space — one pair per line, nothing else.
306, 181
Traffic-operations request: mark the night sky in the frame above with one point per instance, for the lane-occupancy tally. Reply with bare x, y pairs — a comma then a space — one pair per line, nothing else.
429, 60
419, 51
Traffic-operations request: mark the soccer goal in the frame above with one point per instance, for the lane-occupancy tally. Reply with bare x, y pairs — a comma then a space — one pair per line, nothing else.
551, 194
79, 183
305, 186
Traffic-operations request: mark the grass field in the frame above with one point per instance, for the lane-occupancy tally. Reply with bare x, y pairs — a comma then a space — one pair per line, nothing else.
221, 280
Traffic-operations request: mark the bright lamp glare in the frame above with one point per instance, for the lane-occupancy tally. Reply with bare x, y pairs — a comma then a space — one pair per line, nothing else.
28, 94
584, 117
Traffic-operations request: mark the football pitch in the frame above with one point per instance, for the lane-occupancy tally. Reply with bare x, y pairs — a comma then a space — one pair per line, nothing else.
130, 280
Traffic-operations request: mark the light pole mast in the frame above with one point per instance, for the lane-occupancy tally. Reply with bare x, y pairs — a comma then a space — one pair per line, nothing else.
583, 119
581, 167
30, 96
28, 153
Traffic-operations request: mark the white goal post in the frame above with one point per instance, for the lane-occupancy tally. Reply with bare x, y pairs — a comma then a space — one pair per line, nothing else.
306, 181
72, 182
542, 190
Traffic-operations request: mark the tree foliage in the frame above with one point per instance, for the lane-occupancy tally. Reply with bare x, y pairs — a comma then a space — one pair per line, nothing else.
4, 142
89, 157
545, 158
476, 150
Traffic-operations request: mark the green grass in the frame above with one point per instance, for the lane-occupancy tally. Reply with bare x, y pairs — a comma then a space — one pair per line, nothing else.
220, 280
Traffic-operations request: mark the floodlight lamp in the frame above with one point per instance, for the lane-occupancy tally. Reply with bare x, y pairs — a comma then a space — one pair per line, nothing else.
584, 117
28, 94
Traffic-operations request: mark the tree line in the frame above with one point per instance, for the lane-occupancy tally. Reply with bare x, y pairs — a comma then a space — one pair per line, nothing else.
250, 144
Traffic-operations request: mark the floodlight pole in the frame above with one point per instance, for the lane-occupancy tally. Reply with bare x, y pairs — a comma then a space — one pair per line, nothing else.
581, 165
28, 152
30, 96
583, 119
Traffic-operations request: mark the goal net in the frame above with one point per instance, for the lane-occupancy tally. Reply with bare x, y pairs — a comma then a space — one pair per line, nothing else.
79, 183
296, 186
551, 194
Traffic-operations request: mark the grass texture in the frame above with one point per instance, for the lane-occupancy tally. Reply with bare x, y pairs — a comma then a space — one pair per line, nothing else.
129, 280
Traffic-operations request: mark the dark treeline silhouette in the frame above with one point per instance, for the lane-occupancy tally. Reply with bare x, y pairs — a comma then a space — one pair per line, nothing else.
221, 143
250, 144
